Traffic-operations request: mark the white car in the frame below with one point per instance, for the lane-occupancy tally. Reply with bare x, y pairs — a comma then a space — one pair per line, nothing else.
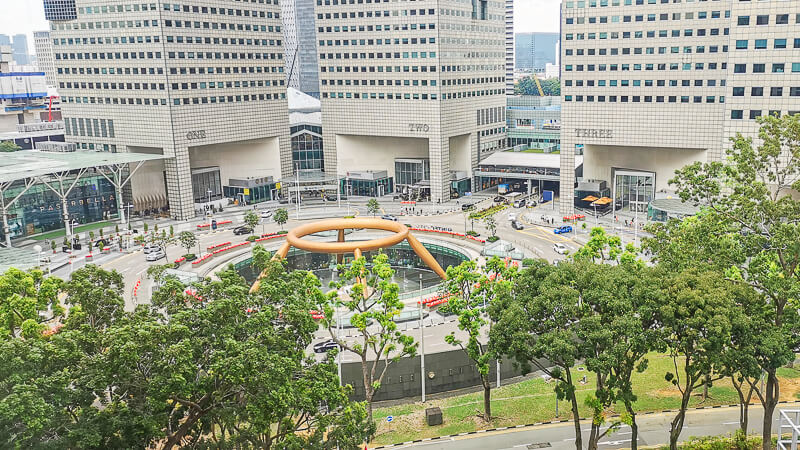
560, 248
156, 255
266, 214
150, 248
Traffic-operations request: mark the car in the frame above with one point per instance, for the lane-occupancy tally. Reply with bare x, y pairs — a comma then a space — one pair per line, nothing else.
389, 217
516, 225
519, 203
563, 229
283, 200
500, 199
560, 248
266, 213
101, 243
156, 255
150, 248
531, 204
244, 229
467, 206
323, 347
333, 197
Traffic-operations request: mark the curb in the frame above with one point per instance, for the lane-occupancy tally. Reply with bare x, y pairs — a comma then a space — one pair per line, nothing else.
531, 425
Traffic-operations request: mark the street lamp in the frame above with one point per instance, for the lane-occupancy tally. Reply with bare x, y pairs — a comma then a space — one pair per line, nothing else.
422, 340
128, 233
209, 197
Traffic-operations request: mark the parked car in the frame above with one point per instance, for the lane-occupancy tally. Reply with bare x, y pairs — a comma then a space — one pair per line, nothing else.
244, 229
266, 213
333, 197
389, 217
323, 347
563, 229
156, 255
466, 206
560, 248
516, 225
150, 248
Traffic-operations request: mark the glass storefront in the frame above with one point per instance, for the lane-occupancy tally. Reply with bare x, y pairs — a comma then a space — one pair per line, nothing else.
459, 187
633, 190
367, 188
409, 172
205, 179
256, 194
39, 209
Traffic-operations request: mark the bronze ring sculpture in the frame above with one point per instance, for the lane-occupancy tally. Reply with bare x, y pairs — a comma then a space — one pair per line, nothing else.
340, 247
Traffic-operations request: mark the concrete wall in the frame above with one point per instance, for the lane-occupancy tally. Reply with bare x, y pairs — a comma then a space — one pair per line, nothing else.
452, 370
355, 152
256, 158
599, 159
460, 157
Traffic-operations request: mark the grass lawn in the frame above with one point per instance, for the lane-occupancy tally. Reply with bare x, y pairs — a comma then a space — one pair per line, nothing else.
538, 150
533, 401
81, 228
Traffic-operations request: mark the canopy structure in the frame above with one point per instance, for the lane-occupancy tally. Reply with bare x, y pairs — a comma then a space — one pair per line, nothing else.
590, 198
61, 171
602, 201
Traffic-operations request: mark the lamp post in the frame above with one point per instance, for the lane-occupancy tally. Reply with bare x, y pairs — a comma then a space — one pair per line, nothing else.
209, 197
297, 186
421, 340
128, 224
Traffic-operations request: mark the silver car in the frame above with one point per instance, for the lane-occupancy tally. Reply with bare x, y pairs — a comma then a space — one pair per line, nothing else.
155, 255
150, 248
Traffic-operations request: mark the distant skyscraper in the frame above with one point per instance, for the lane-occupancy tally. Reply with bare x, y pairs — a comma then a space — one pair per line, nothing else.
44, 55
5, 39
535, 50
299, 33
20, 48
510, 47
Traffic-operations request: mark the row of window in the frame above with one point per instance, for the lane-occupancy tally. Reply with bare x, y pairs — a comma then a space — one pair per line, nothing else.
79, 126
452, 68
379, 55
170, 55
358, 82
650, 17
761, 44
613, 51
604, 3
780, 19
175, 86
395, 41
645, 98
175, 7
104, 9
762, 68
217, 25
754, 113
758, 91
176, 101
172, 70
377, 13
412, 96
644, 83
368, 28
646, 67
688, 32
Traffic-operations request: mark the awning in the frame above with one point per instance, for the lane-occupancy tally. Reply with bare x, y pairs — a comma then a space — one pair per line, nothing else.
602, 201
590, 198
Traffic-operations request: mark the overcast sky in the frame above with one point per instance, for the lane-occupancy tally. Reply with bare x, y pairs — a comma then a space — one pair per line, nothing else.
27, 16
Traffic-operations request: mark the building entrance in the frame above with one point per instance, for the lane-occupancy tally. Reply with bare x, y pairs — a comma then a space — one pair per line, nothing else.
633, 190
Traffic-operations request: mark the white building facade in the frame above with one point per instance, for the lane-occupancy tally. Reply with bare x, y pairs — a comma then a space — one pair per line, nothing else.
201, 81
44, 55
418, 86
510, 47
649, 87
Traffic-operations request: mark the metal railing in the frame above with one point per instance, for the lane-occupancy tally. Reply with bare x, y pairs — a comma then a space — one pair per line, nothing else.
789, 419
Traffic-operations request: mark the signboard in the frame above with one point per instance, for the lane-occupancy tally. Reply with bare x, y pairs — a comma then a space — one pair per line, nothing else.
547, 196
277, 185
594, 133
246, 191
389, 418
502, 189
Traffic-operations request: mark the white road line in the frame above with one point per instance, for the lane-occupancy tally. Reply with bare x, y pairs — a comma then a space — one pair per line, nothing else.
731, 423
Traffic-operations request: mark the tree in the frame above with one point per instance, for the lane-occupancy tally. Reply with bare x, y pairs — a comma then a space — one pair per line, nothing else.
535, 325
471, 290
527, 86
552, 87
281, 216
695, 328
163, 240
372, 303
603, 247
27, 299
491, 224
98, 293
251, 219
171, 231
373, 207
8, 146
188, 240
750, 194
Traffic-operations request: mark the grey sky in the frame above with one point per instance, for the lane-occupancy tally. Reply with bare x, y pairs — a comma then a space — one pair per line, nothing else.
27, 16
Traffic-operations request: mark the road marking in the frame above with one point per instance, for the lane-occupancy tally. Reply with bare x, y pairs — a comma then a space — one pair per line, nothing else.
731, 423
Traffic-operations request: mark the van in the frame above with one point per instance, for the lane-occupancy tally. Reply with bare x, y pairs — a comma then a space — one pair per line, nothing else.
519, 203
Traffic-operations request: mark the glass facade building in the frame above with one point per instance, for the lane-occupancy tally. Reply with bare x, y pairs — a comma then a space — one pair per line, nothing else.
633, 189
39, 209
409, 172
205, 179
367, 187
307, 149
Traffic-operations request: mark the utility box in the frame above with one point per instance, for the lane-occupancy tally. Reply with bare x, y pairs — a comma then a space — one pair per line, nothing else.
433, 416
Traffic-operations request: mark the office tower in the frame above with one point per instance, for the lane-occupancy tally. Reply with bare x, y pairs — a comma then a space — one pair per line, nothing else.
650, 87
534, 50
300, 36
20, 47
509, 47
201, 81
5, 40
23, 95
60, 10
415, 89
44, 55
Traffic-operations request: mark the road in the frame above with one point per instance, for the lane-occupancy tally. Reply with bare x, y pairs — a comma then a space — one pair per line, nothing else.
653, 430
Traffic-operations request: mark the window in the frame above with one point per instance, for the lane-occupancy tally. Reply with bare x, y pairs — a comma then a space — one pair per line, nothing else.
782, 19
760, 44
777, 68
776, 92
743, 20
794, 91
759, 68
741, 44
737, 114
757, 92
755, 113
740, 68
795, 67
762, 20
780, 43
738, 92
